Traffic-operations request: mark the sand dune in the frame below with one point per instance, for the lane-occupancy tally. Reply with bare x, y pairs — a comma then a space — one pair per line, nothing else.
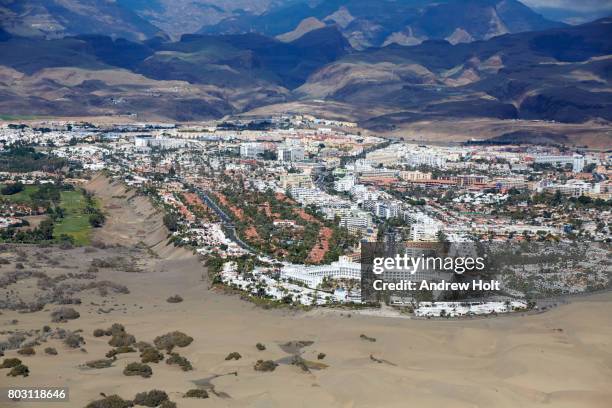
560, 358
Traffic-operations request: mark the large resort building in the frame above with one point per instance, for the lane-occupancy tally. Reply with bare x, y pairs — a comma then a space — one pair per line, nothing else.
312, 276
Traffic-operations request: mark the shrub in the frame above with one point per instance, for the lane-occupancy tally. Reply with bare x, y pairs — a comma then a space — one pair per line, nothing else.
112, 401
21, 369
167, 404
51, 351
196, 393
150, 399
364, 337
116, 328
11, 189
233, 356
120, 350
320, 356
100, 333
142, 345
151, 355
74, 340
267, 365
26, 351
10, 363
64, 314
260, 347
46, 329
102, 363
179, 360
174, 299
172, 339
122, 339
142, 370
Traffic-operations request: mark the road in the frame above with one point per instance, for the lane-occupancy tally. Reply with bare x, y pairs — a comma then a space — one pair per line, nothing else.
229, 227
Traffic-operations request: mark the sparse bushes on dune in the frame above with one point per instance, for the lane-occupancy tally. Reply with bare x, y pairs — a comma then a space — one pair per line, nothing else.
10, 363
151, 355
100, 333
142, 345
74, 340
98, 364
122, 339
19, 370
267, 365
177, 359
152, 398
196, 393
120, 350
140, 369
174, 299
172, 339
234, 355
63, 314
112, 401
26, 351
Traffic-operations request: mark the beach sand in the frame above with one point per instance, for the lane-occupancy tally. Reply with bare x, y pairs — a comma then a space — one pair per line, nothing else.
561, 358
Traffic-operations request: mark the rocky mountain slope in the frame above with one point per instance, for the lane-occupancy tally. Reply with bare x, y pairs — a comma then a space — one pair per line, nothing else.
368, 23
58, 18
560, 74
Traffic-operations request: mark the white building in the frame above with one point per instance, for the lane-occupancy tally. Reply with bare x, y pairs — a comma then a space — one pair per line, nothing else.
345, 183
290, 153
577, 161
251, 150
312, 276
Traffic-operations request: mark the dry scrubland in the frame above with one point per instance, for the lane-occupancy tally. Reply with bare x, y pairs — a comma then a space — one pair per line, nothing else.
557, 359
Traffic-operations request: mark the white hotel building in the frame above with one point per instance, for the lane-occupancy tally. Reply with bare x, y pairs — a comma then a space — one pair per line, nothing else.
312, 276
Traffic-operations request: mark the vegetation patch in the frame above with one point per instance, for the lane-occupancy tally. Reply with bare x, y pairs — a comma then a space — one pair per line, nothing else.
151, 355
196, 393
140, 369
265, 365
10, 363
174, 299
234, 355
111, 401
63, 314
367, 338
26, 351
173, 339
177, 359
20, 370
151, 398
98, 364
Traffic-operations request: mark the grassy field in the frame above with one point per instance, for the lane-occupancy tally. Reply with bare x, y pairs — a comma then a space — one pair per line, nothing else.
75, 222
20, 197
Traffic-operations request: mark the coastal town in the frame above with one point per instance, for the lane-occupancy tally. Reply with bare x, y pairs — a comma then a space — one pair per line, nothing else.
279, 207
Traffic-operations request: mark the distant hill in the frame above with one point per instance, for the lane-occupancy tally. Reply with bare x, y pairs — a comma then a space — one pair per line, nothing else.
367, 23
561, 74
58, 18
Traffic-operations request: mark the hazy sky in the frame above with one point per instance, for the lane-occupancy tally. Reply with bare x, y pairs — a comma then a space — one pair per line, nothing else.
577, 5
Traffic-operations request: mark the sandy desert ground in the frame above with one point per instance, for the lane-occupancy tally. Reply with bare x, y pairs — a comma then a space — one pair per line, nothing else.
562, 358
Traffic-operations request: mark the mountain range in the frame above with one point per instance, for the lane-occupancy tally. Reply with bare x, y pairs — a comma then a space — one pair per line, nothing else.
539, 70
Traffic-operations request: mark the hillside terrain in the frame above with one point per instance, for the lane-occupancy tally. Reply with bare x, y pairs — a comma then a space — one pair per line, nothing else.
377, 23
560, 74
